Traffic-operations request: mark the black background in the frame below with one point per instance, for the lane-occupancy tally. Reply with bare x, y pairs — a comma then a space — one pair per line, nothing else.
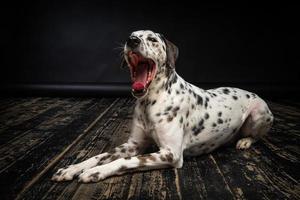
78, 42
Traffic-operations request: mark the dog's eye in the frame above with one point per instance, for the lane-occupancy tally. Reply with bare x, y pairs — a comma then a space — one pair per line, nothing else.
152, 39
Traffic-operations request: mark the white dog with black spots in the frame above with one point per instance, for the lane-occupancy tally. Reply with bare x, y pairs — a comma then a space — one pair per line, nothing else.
180, 118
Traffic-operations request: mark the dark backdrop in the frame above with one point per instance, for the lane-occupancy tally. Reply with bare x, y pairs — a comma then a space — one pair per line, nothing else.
75, 44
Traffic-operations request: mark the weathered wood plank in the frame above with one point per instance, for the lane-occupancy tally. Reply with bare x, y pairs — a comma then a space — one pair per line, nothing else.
8, 102
268, 170
26, 167
201, 178
30, 116
36, 136
94, 143
255, 176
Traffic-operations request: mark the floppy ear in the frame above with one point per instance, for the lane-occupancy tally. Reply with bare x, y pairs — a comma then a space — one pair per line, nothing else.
172, 52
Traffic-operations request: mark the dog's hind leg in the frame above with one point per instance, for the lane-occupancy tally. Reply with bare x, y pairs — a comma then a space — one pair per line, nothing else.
257, 124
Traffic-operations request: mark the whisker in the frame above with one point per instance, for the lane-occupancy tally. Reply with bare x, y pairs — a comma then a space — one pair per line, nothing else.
120, 46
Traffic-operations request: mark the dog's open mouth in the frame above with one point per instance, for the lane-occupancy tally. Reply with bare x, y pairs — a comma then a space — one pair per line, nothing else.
142, 72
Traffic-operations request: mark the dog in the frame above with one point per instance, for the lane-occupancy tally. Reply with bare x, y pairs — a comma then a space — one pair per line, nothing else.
180, 118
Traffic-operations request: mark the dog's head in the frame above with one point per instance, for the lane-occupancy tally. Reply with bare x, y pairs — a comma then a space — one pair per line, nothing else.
148, 54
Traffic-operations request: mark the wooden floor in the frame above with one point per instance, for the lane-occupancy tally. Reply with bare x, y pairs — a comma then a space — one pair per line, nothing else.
40, 135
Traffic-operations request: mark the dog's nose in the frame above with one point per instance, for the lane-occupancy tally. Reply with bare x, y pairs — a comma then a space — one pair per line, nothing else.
133, 41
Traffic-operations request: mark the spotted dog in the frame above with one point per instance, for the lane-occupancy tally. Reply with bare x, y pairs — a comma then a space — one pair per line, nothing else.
180, 118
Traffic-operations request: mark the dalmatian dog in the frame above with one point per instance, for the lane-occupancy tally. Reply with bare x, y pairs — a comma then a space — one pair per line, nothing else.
180, 118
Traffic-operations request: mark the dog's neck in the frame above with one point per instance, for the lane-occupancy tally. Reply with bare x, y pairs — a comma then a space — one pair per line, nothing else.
162, 83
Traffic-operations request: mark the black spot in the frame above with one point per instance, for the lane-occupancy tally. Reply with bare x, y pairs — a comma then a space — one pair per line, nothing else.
158, 114
197, 130
169, 118
206, 116
181, 120
206, 98
248, 96
219, 114
201, 122
194, 94
181, 86
105, 157
193, 106
226, 91
235, 97
205, 105
147, 103
95, 176
187, 114
199, 100
123, 150
174, 79
269, 119
177, 92
220, 121
214, 125
176, 109
168, 108
153, 102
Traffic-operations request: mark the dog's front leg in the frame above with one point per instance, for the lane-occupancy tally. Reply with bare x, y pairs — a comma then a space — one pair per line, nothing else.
170, 155
135, 145
162, 159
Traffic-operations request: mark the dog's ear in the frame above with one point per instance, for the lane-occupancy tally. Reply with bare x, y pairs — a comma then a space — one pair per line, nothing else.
172, 52
123, 63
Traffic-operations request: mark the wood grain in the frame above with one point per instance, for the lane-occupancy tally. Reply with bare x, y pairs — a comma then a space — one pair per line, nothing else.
40, 135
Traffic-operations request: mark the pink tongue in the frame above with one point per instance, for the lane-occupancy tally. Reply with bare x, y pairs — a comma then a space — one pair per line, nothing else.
140, 78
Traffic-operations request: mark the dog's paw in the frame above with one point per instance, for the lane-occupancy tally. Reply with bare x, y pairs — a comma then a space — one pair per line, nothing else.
244, 143
66, 174
94, 174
